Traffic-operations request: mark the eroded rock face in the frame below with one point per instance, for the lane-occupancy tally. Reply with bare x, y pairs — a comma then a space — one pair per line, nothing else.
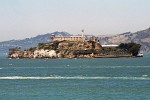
68, 49
15, 55
44, 53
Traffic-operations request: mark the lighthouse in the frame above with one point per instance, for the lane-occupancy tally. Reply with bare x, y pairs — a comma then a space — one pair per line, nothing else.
83, 34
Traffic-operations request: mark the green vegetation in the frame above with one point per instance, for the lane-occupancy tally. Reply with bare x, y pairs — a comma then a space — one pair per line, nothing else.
78, 49
32, 49
132, 48
48, 46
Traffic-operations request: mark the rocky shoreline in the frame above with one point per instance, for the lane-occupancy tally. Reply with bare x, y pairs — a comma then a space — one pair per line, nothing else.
75, 49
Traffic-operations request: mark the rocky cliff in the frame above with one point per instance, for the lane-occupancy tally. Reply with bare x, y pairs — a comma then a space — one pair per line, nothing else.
58, 49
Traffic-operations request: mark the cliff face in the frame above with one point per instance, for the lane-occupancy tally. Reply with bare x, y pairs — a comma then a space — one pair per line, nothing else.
140, 37
57, 49
75, 49
84, 48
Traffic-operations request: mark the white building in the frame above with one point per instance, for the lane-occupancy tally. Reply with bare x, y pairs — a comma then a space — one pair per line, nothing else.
69, 38
112, 45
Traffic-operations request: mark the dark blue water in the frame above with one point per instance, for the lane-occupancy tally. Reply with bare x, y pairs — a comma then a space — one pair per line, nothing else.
75, 79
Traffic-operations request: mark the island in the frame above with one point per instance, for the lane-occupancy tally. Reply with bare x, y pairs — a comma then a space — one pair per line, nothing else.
76, 47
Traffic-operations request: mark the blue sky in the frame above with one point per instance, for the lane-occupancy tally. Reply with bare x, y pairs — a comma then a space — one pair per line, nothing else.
27, 18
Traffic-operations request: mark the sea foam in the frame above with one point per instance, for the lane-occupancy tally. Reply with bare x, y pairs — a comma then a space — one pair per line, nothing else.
71, 78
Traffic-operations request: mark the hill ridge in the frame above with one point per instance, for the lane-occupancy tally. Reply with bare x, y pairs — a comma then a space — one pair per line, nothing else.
141, 37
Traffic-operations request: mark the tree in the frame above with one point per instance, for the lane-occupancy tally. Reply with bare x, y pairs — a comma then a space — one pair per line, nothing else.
123, 46
132, 48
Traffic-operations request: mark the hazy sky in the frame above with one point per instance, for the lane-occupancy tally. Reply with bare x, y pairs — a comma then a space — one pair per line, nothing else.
27, 18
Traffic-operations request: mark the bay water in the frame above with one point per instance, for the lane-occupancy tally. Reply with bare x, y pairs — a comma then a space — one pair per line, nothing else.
75, 79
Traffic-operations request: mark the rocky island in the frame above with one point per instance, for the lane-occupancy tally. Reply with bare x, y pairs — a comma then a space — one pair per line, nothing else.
75, 47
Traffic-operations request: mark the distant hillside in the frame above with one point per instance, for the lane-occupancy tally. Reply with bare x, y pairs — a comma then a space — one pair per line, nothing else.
141, 37
28, 42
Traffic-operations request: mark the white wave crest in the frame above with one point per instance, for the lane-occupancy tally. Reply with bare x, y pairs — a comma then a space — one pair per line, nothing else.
68, 78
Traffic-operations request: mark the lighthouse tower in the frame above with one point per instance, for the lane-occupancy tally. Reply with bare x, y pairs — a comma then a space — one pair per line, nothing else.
83, 35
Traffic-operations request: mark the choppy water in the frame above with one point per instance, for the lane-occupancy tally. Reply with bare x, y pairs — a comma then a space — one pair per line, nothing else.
75, 79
